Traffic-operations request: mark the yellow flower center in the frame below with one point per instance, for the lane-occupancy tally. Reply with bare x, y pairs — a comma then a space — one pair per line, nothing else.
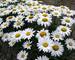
28, 33
22, 11
57, 36
42, 34
30, 17
17, 35
45, 15
44, 19
14, 9
45, 44
70, 43
44, 8
29, 4
56, 13
28, 45
22, 56
5, 24
18, 23
64, 29
55, 47
62, 7
10, 17
67, 20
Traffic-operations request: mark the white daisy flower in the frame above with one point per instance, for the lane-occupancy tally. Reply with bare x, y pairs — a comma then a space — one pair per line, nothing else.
43, 33
69, 12
14, 10
52, 8
5, 25
1, 20
31, 3
1, 33
56, 13
19, 18
17, 36
56, 36
43, 8
44, 44
2, 11
44, 14
10, 18
70, 43
31, 18
34, 8
3, 4
64, 30
63, 9
5, 37
22, 55
18, 24
11, 1
6, 12
27, 45
12, 43
56, 49
67, 20
22, 10
44, 21
42, 58
28, 33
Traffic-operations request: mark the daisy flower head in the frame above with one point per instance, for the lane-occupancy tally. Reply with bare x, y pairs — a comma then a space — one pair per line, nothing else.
42, 58
43, 33
63, 9
22, 55
27, 45
17, 36
35, 8
10, 18
18, 24
56, 49
1, 20
28, 33
5, 37
44, 21
44, 14
1, 11
5, 24
43, 8
30, 18
56, 35
14, 9
12, 43
11, 1
6, 12
19, 18
22, 10
2, 3
1, 34
70, 43
69, 13
56, 13
31, 3
64, 30
67, 20
52, 8
44, 44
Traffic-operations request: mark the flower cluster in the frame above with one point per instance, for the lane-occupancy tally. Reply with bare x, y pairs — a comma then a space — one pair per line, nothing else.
45, 28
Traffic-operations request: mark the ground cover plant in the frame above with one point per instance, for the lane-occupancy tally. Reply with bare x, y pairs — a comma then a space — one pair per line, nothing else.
41, 32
